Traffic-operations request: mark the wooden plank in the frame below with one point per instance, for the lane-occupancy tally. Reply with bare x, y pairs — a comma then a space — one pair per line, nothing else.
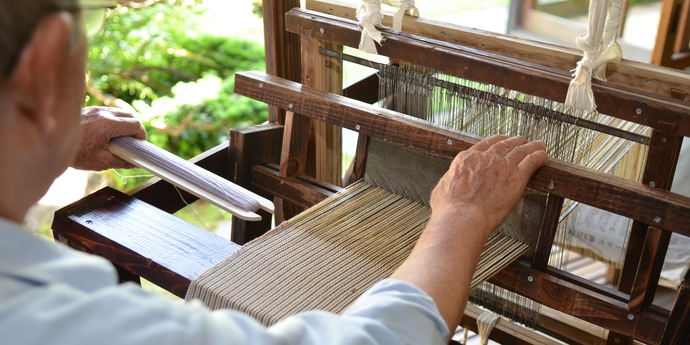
164, 196
659, 170
492, 68
651, 262
582, 303
299, 191
627, 73
293, 157
282, 47
627, 198
359, 165
668, 32
146, 241
549, 225
251, 146
676, 331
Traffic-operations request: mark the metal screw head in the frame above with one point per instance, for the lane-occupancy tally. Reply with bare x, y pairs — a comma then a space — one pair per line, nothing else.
530, 279
631, 317
652, 184
261, 85
450, 142
617, 341
649, 82
657, 220
322, 30
89, 221
638, 111
290, 105
282, 181
328, 63
551, 186
357, 127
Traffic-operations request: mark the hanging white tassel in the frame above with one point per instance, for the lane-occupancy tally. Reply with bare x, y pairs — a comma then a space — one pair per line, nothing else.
369, 16
580, 93
485, 324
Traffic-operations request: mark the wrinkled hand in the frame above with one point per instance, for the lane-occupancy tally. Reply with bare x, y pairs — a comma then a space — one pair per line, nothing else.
99, 125
488, 179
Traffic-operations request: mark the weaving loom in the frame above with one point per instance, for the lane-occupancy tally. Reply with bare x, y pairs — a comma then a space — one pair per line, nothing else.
481, 76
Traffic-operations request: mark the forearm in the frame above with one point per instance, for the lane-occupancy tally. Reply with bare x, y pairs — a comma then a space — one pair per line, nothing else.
444, 260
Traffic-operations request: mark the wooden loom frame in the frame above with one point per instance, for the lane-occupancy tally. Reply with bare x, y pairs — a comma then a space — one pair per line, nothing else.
627, 95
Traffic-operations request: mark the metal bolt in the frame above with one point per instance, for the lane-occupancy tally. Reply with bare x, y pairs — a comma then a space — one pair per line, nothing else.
530, 279
261, 85
450, 142
638, 111
290, 105
617, 341
443, 33
648, 82
328, 62
631, 317
89, 222
657, 219
652, 184
282, 181
357, 127
322, 30
551, 186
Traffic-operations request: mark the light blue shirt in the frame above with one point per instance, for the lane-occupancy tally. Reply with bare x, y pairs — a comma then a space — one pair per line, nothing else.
51, 294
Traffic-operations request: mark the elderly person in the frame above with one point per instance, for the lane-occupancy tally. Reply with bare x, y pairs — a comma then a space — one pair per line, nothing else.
50, 294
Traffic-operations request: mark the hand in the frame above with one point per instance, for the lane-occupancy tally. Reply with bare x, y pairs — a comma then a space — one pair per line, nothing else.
488, 180
99, 125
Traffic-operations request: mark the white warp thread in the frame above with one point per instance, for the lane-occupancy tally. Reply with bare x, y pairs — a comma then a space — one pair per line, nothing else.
580, 93
485, 324
187, 171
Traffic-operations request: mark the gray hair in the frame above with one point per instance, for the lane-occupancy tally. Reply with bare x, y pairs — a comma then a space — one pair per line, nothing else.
18, 20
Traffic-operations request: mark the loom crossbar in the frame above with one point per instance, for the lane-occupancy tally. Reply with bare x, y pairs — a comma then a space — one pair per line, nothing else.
491, 68
664, 210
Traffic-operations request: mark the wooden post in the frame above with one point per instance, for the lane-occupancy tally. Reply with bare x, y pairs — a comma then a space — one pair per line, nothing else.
668, 32
282, 48
251, 146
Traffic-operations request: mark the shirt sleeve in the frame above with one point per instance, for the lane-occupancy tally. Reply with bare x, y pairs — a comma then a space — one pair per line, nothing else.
391, 312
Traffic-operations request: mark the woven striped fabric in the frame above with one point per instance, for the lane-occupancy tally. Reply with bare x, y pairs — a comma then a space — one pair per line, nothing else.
326, 257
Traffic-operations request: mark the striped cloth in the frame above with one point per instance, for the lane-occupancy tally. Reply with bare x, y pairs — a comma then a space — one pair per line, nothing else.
327, 256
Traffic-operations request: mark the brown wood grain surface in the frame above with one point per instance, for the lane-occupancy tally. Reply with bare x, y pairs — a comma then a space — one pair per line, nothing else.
582, 303
490, 67
295, 190
250, 146
146, 241
664, 210
637, 76
282, 48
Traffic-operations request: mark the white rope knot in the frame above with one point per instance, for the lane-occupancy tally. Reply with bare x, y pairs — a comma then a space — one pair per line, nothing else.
369, 16
599, 46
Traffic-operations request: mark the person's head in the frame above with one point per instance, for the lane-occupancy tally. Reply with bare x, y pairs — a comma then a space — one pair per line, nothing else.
42, 62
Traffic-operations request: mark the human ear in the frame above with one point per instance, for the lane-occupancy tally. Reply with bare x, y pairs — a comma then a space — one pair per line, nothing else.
35, 76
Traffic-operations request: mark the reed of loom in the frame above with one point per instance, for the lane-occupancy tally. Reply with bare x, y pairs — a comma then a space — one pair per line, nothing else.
487, 68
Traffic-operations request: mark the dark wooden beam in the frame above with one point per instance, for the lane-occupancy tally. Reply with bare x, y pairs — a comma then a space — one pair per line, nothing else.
303, 191
282, 47
141, 238
492, 68
252, 146
662, 209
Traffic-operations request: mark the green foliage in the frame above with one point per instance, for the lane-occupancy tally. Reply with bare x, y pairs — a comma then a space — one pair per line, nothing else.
144, 55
